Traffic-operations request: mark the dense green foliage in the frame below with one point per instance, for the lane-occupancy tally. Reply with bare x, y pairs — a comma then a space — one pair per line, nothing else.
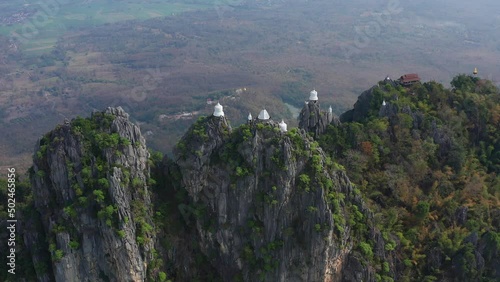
427, 164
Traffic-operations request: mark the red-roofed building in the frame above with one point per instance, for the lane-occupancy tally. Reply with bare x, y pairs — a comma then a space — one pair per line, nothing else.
409, 79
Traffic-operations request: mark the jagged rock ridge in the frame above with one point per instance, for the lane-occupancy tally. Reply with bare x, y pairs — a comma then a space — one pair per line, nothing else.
262, 204
313, 119
274, 207
89, 182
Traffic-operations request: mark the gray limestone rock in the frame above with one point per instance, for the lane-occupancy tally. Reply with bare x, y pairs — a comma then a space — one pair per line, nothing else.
266, 216
313, 119
91, 239
261, 204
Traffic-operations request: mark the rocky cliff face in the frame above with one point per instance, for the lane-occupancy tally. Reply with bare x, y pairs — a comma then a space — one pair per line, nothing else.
274, 207
362, 106
89, 185
259, 205
313, 120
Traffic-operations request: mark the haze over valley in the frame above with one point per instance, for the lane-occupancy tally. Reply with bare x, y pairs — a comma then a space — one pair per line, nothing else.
162, 60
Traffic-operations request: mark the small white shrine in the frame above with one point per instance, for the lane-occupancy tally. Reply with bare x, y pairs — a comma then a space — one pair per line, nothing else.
218, 112
313, 96
282, 126
264, 115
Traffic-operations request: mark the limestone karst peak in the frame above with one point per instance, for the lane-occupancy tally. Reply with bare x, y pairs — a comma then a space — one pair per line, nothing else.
313, 119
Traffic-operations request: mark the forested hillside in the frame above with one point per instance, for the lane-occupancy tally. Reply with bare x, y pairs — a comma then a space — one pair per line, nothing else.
427, 160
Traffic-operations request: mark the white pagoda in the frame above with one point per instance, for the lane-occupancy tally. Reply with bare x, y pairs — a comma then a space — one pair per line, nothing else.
313, 96
282, 126
264, 115
218, 112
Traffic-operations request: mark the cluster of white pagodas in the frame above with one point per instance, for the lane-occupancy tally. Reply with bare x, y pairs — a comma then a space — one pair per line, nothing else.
264, 115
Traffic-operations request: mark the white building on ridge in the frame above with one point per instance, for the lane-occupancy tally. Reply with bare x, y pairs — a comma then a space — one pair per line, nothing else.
218, 111
282, 126
313, 96
264, 115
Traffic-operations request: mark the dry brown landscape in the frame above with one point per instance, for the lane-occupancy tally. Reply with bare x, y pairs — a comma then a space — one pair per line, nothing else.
248, 55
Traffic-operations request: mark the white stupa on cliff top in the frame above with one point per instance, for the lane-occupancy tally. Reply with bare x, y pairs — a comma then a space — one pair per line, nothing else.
313, 96
264, 115
282, 126
218, 112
